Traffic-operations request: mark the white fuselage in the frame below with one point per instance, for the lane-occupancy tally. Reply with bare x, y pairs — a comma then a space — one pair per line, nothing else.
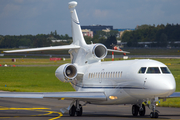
121, 79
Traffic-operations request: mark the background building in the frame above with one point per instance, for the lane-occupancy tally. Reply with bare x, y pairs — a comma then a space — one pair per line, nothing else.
87, 32
95, 28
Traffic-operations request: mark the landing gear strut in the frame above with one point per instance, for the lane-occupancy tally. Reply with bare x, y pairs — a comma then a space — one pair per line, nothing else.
152, 106
76, 109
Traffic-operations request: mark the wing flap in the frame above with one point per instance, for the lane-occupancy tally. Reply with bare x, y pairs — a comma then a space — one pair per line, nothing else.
58, 95
64, 47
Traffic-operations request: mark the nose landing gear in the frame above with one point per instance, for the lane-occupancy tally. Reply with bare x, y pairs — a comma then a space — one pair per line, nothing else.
152, 106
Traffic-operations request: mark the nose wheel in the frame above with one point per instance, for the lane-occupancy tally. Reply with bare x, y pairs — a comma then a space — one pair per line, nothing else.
154, 115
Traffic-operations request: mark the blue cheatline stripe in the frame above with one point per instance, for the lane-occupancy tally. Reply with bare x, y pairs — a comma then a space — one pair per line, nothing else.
110, 87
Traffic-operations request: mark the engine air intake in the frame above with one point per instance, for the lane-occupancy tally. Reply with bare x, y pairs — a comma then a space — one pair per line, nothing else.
100, 51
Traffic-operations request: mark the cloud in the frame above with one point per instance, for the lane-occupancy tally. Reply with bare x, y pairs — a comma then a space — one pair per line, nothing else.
10, 10
43, 16
101, 13
19, 1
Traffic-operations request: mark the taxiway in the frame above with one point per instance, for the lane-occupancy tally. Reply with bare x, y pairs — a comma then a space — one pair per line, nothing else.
48, 109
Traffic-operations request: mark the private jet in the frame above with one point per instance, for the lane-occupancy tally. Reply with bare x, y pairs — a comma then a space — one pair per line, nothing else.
137, 82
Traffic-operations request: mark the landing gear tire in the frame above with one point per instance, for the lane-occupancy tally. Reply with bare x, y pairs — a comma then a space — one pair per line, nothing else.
135, 110
79, 113
154, 115
72, 111
143, 111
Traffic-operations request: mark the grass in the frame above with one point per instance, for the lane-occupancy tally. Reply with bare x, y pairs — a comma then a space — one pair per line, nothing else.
170, 102
32, 61
31, 79
42, 79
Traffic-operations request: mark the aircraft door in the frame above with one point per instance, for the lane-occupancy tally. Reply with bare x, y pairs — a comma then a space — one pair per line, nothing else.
142, 72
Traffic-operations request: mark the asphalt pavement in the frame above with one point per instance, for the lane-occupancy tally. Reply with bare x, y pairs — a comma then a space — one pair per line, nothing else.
49, 109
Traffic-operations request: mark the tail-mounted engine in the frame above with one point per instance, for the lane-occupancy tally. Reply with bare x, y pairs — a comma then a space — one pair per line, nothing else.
66, 72
99, 51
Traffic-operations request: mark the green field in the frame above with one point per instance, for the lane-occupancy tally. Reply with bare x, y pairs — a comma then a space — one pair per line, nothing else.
41, 78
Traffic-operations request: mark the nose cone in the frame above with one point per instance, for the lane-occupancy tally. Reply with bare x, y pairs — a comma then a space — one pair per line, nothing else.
168, 85
171, 87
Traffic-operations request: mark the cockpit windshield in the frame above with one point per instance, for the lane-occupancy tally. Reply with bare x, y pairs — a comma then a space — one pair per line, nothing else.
153, 70
165, 70
142, 70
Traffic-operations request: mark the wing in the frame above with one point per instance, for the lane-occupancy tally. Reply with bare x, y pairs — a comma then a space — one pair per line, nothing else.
174, 95
45, 48
111, 50
84, 96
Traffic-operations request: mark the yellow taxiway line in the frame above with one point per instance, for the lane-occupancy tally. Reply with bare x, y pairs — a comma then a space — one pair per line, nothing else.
34, 109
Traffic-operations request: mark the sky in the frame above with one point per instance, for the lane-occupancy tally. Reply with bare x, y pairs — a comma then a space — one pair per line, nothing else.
24, 17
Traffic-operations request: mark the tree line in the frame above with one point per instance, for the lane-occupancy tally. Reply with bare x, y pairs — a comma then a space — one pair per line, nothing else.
159, 36
39, 40
106, 38
44, 40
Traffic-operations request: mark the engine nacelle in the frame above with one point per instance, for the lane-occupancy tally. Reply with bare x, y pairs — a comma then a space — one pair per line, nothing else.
66, 72
99, 51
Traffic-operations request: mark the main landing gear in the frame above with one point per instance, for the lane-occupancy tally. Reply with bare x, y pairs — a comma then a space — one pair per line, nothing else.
76, 109
138, 109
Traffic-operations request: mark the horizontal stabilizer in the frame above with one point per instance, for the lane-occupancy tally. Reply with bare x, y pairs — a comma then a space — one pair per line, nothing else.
64, 47
93, 96
111, 50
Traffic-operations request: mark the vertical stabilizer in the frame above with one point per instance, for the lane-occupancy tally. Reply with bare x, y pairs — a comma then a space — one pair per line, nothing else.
77, 35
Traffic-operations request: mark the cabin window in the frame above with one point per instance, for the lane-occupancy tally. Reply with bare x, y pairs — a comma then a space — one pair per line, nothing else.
165, 70
142, 70
153, 70
104, 75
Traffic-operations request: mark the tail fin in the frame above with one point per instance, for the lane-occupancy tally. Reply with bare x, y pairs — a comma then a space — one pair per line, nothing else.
77, 35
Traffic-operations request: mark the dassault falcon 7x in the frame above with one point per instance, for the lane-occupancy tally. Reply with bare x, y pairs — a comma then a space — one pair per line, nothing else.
136, 82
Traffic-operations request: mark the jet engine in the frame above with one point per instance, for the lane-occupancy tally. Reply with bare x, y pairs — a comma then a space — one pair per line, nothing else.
99, 51
66, 72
